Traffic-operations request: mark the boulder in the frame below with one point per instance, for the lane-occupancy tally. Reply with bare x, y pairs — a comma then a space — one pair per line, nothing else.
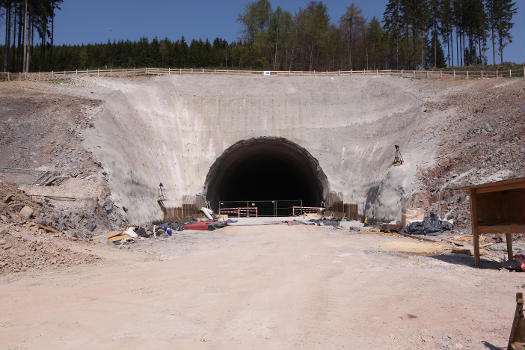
26, 212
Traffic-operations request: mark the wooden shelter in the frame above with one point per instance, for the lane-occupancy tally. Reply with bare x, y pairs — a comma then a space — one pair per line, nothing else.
497, 208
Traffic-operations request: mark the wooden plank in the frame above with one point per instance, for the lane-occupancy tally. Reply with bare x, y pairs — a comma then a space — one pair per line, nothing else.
415, 237
107, 235
49, 229
501, 229
498, 188
119, 238
475, 232
508, 238
517, 332
520, 181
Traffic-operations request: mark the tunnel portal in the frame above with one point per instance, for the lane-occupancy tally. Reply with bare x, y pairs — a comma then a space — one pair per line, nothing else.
266, 169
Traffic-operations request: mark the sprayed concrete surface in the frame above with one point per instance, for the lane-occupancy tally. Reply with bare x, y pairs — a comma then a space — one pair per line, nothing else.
172, 129
261, 287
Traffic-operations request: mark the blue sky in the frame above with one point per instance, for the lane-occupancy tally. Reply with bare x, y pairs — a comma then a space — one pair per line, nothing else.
89, 21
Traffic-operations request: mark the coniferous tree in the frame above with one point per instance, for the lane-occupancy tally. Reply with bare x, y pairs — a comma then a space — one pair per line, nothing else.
351, 22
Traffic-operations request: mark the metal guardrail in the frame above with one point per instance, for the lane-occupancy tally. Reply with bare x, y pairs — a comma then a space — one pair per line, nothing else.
416, 74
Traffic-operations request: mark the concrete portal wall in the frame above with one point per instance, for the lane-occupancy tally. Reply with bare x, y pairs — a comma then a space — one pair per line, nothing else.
172, 129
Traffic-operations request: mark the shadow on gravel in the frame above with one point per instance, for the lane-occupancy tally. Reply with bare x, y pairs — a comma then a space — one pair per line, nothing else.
492, 347
466, 260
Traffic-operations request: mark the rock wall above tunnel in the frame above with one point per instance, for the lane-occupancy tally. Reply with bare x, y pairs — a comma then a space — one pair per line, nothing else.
173, 129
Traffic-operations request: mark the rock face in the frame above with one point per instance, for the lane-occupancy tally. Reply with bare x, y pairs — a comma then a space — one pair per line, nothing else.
26, 212
171, 130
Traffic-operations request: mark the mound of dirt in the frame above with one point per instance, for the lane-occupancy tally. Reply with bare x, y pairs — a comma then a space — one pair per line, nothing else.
18, 254
12, 200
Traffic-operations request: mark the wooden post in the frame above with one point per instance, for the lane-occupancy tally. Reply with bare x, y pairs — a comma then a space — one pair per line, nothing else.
517, 333
475, 233
467, 75
508, 237
454, 74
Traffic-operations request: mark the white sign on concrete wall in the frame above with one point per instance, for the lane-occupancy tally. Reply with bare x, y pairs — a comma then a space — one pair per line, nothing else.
267, 73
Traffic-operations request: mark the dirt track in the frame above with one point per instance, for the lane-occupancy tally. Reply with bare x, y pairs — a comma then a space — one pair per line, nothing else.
261, 287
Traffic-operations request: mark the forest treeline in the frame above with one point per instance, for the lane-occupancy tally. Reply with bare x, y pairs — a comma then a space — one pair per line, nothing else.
412, 34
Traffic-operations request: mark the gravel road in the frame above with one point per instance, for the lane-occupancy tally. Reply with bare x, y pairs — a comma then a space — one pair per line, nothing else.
262, 287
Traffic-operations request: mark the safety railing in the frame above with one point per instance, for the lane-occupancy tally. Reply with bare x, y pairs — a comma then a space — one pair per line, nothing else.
240, 212
306, 210
273, 208
415, 74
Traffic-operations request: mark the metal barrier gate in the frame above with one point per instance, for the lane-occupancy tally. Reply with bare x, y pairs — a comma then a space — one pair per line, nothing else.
259, 208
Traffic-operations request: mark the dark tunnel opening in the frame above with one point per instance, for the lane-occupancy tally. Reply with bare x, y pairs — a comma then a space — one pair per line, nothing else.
266, 169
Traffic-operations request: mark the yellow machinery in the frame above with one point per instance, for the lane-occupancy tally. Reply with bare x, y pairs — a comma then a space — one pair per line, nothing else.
398, 159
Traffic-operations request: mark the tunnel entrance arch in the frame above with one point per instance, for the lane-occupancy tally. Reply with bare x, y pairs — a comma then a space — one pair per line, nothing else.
266, 168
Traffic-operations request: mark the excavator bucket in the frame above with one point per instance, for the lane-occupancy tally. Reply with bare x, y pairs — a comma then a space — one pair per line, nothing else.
398, 159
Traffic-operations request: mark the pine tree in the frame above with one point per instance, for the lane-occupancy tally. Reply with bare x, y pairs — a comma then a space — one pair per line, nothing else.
435, 56
393, 26
351, 22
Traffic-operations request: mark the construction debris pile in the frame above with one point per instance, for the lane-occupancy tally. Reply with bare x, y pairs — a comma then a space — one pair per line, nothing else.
93, 217
16, 206
39, 251
431, 225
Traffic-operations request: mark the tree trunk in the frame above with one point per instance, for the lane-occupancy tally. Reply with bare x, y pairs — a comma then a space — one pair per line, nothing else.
24, 58
15, 24
461, 48
457, 47
479, 47
52, 37
7, 35
19, 45
435, 49
448, 50
452, 47
493, 45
